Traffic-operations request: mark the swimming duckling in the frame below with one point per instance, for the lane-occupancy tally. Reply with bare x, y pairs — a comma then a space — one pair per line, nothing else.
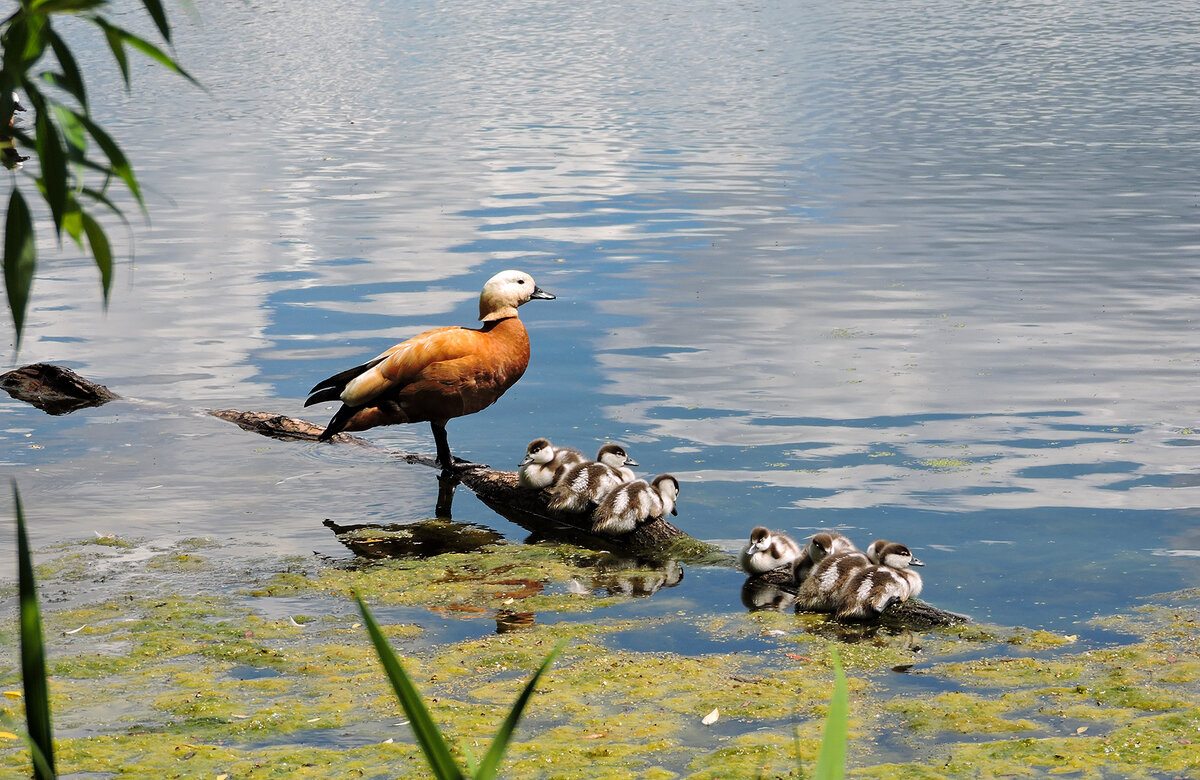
821, 590
633, 503
543, 463
767, 551
581, 486
820, 546
871, 590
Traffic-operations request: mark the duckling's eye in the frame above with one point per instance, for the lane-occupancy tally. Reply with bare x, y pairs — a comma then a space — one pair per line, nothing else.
520, 281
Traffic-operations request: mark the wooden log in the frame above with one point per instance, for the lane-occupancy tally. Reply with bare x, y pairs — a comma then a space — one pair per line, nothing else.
657, 541
776, 590
54, 389
502, 492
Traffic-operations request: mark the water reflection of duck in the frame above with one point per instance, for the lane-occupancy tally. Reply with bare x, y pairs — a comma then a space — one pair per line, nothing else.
440, 374
8, 148
767, 551
634, 503
584, 485
542, 463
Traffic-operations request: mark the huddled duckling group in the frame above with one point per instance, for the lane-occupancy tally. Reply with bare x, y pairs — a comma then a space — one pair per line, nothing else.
605, 487
832, 575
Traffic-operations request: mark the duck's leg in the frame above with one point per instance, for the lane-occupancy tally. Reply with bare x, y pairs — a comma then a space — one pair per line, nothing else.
444, 458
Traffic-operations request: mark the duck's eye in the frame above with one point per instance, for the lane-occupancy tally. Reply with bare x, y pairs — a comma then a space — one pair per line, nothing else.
520, 281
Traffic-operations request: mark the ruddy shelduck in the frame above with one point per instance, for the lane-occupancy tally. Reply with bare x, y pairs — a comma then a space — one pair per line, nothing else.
821, 545
440, 374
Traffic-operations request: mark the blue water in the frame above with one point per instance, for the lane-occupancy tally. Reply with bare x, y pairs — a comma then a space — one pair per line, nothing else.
925, 273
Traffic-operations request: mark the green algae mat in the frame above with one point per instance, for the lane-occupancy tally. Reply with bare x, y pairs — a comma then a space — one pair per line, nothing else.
188, 662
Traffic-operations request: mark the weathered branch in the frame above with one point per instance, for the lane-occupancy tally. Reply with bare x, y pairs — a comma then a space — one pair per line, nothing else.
54, 389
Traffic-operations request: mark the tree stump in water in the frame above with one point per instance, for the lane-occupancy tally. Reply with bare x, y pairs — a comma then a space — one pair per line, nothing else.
54, 389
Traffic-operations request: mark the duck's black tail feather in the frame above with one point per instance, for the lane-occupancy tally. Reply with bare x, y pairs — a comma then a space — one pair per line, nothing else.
338, 423
337, 382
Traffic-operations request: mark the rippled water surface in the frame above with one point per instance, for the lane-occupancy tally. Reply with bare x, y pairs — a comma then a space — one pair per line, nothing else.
925, 272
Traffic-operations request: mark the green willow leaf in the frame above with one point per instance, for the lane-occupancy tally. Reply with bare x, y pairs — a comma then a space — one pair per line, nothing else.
117, 44
53, 161
150, 50
101, 198
73, 225
100, 251
48, 7
155, 9
73, 132
491, 762
831, 761
71, 80
20, 256
429, 737
33, 652
116, 158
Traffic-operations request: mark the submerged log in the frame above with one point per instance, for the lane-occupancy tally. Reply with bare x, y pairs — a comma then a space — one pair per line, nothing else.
54, 389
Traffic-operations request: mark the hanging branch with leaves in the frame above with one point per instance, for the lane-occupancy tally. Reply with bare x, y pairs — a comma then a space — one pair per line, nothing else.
38, 64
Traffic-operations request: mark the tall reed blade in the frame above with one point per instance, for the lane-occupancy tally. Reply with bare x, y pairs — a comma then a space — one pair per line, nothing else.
429, 737
831, 762
491, 761
33, 656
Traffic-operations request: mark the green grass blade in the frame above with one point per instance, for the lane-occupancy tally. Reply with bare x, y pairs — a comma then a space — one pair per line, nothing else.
831, 762
429, 737
491, 761
20, 257
33, 653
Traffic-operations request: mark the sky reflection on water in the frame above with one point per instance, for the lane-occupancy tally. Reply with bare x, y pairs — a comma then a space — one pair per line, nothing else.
928, 277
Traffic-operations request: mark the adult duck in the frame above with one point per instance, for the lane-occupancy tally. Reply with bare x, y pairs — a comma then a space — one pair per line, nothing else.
440, 374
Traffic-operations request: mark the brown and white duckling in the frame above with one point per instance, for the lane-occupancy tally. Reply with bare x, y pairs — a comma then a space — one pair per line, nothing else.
873, 589
767, 551
581, 486
543, 462
634, 503
820, 546
821, 590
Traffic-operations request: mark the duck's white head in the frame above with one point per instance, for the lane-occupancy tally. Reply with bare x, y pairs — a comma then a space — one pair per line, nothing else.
668, 490
504, 292
539, 451
614, 455
891, 554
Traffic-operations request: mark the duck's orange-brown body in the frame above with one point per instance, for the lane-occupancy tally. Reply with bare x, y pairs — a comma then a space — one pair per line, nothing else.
440, 374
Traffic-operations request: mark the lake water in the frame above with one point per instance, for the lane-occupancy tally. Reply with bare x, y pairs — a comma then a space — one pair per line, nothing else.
924, 272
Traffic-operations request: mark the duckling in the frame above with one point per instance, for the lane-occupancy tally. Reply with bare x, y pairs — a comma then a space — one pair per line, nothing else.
820, 591
767, 551
580, 487
544, 462
818, 548
633, 503
440, 374
873, 589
